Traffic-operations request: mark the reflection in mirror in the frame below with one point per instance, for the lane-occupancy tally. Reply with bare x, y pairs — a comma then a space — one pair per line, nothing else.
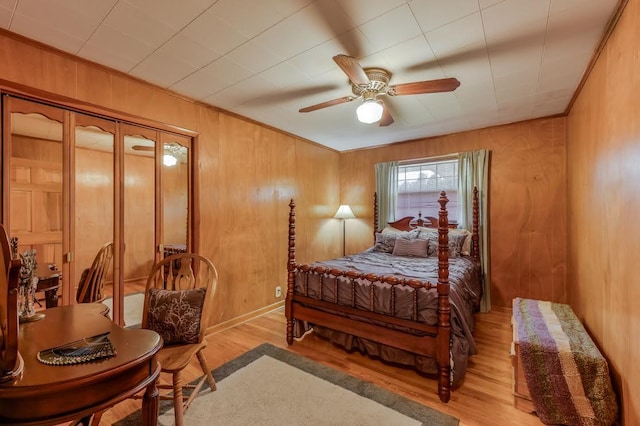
139, 219
93, 213
175, 193
36, 197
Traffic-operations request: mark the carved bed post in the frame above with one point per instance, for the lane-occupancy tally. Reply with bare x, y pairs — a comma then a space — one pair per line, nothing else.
475, 237
444, 308
375, 216
291, 274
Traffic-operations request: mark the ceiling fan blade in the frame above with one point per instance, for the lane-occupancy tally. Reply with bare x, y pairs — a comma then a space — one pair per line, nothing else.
143, 148
327, 104
386, 119
429, 86
352, 69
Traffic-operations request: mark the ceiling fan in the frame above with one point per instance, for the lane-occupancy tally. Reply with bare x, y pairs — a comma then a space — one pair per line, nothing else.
372, 83
172, 152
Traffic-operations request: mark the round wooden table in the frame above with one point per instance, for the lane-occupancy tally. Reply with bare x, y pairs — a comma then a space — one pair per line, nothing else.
48, 395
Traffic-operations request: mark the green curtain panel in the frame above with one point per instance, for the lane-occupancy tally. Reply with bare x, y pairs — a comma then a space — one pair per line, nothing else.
473, 171
387, 190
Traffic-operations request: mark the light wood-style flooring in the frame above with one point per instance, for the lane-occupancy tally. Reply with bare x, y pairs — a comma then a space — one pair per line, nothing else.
485, 397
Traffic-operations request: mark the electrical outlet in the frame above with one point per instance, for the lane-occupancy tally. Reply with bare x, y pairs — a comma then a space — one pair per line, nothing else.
278, 291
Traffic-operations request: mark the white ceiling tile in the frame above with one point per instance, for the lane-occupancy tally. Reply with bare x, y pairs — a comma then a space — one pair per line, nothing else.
362, 11
46, 32
302, 31
572, 31
216, 35
454, 37
214, 77
551, 107
476, 97
136, 24
514, 16
109, 46
409, 110
185, 49
5, 17
77, 18
248, 20
317, 60
521, 105
250, 90
442, 105
285, 74
431, 15
400, 20
163, 68
174, 14
64, 24
553, 96
255, 54
469, 65
559, 6
412, 60
488, 3
516, 84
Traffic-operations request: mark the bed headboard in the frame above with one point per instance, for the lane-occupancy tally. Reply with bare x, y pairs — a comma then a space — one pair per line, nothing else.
408, 223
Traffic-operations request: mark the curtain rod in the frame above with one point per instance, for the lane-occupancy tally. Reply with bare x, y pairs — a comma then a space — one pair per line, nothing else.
429, 159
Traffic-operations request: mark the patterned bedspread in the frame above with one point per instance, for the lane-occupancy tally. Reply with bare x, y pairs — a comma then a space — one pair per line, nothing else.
567, 377
465, 293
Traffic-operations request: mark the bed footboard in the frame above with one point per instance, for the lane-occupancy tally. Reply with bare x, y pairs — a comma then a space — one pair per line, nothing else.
422, 339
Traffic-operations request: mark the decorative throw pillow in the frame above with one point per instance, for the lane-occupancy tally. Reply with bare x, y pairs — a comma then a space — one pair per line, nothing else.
456, 241
416, 248
386, 242
175, 315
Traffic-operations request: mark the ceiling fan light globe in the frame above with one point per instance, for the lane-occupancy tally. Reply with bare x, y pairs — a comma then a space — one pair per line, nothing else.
370, 111
169, 160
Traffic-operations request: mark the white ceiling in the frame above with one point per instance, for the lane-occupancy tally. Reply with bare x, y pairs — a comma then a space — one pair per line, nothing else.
266, 59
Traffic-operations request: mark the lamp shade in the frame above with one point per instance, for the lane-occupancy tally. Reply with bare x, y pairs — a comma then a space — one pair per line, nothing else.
369, 111
344, 212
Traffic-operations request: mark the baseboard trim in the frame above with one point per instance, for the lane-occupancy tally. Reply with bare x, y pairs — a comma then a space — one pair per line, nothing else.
244, 318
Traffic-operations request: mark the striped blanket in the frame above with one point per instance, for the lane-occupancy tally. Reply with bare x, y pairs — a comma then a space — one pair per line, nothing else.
567, 377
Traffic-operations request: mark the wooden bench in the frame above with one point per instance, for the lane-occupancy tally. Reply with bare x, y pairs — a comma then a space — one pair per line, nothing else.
569, 379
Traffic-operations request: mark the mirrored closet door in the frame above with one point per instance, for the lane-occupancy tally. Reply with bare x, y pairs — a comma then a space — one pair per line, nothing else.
89, 192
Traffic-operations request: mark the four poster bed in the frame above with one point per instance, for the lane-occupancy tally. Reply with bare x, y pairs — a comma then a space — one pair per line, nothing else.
409, 299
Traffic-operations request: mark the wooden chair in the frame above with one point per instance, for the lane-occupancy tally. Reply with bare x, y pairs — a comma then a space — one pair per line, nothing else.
176, 273
92, 280
11, 364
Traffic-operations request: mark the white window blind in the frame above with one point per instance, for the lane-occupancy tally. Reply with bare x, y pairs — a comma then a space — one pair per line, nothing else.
420, 184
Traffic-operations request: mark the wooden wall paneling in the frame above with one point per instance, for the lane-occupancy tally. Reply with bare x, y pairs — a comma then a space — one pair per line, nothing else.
527, 200
318, 234
604, 150
131, 99
209, 212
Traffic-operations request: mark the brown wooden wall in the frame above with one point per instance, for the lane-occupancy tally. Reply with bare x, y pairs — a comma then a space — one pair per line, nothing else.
604, 202
247, 173
527, 201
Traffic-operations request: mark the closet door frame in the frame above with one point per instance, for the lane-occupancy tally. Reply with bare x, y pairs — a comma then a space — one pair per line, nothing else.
68, 106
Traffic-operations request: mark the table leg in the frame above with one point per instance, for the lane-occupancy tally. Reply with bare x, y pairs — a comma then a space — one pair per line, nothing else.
150, 405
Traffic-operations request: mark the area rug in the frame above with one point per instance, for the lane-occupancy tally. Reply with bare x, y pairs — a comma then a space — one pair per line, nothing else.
133, 304
269, 386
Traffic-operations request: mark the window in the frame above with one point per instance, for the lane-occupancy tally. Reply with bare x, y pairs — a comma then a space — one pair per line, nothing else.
420, 184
